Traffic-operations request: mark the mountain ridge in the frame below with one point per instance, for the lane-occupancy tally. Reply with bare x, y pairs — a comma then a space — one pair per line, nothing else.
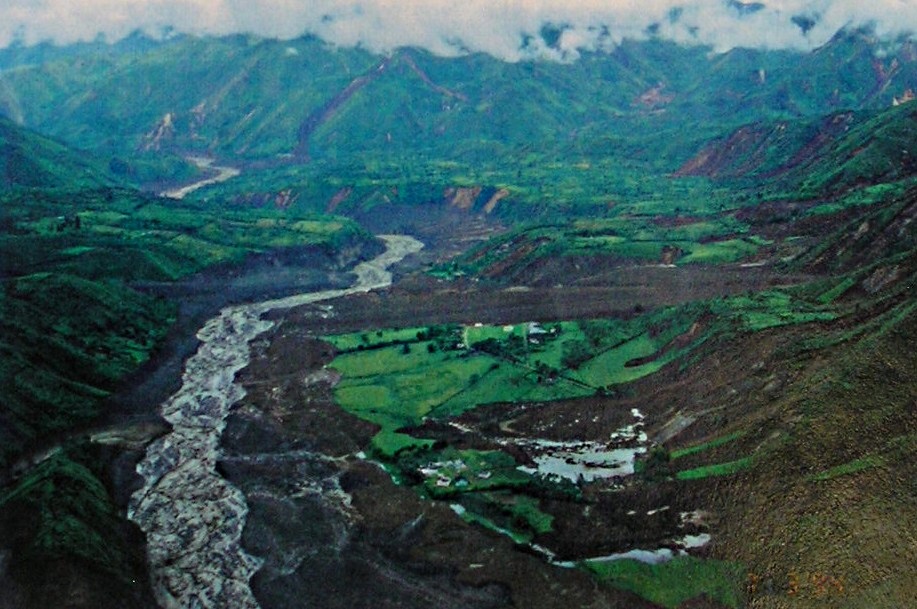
597, 87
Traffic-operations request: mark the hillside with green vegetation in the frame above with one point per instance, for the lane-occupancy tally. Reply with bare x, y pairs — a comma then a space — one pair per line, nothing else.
550, 133
28, 160
831, 156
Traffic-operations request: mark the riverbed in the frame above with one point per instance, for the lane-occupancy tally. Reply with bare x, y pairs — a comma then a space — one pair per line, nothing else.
192, 516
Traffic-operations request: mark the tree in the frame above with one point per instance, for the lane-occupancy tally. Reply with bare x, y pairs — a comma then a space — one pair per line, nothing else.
657, 464
574, 353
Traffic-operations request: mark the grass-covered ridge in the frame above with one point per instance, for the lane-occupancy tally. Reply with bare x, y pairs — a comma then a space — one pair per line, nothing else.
66, 343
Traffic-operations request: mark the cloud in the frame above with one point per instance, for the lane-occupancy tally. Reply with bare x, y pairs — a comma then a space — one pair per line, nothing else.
509, 29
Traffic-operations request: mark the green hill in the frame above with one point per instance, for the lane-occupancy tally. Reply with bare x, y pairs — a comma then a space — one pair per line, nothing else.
29, 160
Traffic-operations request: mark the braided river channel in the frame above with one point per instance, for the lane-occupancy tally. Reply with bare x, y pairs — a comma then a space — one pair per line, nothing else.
192, 517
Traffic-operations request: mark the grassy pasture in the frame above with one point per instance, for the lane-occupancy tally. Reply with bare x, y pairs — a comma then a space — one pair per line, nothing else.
367, 340
611, 367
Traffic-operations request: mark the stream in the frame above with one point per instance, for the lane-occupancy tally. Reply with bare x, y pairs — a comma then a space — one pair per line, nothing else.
193, 518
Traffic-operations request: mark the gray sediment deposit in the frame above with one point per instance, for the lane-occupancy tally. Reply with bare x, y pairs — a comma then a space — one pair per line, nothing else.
193, 518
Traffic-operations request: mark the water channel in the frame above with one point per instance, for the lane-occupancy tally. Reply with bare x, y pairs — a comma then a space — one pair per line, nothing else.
193, 518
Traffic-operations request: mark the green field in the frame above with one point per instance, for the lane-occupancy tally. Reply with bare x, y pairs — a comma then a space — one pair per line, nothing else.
612, 367
394, 378
671, 583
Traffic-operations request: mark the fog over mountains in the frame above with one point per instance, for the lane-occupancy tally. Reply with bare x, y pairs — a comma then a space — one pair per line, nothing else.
509, 29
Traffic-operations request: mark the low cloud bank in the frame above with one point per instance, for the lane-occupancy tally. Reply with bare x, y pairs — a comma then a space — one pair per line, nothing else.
508, 29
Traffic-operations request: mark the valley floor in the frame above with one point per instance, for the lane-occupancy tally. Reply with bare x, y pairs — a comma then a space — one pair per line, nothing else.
761, 455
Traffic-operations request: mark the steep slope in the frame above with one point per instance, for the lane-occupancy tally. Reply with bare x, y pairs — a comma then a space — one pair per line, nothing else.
833, 155
28, 160
832, 510
821, 513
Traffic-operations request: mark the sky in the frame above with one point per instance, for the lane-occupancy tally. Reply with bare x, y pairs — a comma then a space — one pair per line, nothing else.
507, 29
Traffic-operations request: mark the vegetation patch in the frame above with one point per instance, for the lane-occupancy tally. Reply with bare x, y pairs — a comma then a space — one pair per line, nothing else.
771, 309
851, 467
449, 472
612, 367
691, 450
394, 378
716, 469
718, 240
673, 582
837, 291
513, 514
372, 340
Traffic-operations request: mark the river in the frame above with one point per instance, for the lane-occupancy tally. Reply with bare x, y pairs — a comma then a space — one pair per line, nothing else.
193, 518
222, 175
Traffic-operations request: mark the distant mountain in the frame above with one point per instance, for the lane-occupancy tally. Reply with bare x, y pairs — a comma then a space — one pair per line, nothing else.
19, 54
253, 98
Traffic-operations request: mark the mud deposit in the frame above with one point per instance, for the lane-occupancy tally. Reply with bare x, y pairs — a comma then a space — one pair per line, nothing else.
192, 517
334, 530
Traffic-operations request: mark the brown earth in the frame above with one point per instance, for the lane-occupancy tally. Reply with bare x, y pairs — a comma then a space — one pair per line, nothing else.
289, 447
336, 530
380, 545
